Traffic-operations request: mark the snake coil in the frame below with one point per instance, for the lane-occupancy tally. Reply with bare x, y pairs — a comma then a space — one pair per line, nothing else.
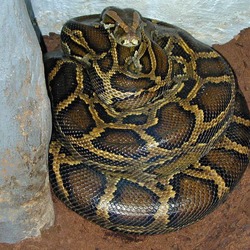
150, 129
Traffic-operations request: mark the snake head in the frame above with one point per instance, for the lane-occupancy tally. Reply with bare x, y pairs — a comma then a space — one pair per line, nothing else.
124, 25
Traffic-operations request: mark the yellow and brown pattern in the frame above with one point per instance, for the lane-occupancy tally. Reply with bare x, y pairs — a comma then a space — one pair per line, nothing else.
150, 129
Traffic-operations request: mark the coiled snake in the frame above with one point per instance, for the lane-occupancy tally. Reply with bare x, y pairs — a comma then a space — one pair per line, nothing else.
151, 131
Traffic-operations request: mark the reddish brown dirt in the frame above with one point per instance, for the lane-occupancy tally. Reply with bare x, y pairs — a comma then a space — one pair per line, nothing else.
228, 228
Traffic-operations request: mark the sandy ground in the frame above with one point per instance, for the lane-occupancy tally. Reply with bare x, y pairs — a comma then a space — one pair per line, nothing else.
227, 228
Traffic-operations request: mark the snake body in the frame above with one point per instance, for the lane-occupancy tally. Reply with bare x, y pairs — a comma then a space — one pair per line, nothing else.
150, 129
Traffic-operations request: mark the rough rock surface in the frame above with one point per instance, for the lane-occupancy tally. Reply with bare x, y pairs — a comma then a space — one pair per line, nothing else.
25, 200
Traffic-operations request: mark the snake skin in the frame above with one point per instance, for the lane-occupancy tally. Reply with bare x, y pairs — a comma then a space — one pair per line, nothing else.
150, 129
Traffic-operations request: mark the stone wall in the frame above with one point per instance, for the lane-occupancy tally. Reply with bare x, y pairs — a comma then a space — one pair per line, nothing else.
211, 21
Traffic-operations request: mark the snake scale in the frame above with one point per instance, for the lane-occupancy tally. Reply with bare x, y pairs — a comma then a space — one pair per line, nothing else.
150, 129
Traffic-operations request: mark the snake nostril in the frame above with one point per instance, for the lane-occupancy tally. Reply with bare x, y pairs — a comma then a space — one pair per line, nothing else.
135, 42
